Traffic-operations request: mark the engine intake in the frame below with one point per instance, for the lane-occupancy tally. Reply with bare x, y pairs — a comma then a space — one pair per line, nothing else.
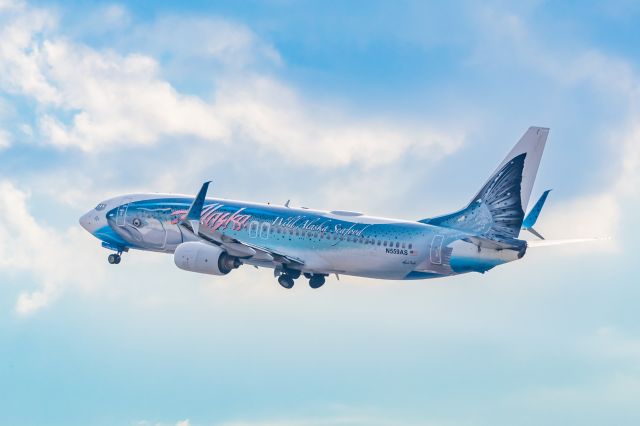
203, 258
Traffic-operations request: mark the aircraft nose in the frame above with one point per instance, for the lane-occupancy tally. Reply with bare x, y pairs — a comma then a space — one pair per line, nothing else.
89, 222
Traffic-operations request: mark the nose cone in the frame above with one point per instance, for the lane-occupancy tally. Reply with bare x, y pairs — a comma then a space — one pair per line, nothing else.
90, 221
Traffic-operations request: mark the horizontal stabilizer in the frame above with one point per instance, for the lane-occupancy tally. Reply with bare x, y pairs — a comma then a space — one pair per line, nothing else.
536, 233
532, 217
512, 244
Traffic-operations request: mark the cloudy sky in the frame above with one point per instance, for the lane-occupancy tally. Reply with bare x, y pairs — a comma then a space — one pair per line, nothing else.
396, 108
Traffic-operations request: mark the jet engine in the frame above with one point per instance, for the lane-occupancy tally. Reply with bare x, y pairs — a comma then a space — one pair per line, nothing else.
195, 256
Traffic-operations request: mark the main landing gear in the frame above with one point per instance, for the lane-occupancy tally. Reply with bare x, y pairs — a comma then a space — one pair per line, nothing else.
285, 281
114, 258
287, 277
316, 281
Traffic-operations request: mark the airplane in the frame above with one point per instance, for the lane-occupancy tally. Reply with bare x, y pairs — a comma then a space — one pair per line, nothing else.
215, 236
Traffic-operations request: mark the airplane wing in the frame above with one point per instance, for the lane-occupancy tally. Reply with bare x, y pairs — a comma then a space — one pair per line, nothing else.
233, 246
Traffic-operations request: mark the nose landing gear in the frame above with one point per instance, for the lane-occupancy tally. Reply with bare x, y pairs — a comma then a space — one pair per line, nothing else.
114, 258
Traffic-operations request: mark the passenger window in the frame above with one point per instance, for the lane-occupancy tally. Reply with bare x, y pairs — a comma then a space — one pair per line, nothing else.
397, 244
410, 246
385, 244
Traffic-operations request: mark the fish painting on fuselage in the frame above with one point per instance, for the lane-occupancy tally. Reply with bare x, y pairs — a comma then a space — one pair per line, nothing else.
215, 236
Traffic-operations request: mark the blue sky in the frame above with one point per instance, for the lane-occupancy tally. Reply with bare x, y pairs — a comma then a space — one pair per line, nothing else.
394, 108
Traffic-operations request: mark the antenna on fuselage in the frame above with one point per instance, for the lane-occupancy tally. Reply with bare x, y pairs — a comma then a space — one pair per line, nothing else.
287, 203
195, 211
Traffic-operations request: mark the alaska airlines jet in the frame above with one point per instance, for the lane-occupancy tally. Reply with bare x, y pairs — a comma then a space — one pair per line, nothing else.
215, 236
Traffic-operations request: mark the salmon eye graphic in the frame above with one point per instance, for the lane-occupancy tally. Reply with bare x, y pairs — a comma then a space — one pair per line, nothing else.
137, 222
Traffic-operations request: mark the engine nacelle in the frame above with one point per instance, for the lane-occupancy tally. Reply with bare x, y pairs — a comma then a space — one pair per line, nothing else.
195, 256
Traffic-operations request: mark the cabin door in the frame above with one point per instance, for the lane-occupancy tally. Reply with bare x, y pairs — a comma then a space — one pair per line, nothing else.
436, 250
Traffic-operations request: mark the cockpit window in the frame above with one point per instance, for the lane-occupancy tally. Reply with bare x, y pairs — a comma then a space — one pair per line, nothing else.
101, 206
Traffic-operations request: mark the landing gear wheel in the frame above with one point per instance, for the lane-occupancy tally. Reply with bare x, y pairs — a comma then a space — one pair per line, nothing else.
316, 281
285, 281
114, 258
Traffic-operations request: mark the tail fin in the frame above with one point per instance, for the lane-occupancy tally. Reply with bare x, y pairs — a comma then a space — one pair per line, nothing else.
497, 210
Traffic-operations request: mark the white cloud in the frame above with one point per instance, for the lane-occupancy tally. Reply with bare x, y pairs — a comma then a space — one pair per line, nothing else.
121, 101
27, 244
347, 420
20, 58
10, 4
5, 139
275, 116
229, 43
184, 422
629, 178
616, 386
597, 215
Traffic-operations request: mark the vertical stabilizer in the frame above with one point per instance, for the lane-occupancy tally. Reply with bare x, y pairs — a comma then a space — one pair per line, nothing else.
497, 210
532, 144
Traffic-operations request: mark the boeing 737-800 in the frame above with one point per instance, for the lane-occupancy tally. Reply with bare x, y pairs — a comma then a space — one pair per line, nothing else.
214, 236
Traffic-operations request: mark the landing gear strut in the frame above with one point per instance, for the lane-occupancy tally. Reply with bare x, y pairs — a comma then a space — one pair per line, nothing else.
114, 258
